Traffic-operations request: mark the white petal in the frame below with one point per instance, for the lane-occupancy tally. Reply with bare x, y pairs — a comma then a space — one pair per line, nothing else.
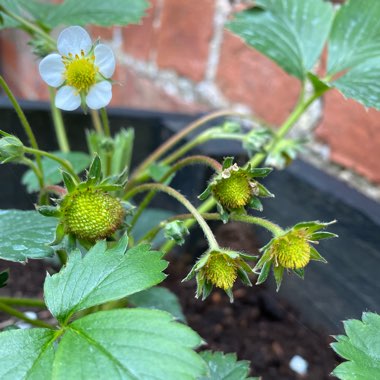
73, 40
52, 69
67, 99
105, 60
99, 95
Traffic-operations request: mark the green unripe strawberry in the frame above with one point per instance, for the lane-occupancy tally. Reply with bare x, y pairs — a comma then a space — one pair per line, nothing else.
91, 214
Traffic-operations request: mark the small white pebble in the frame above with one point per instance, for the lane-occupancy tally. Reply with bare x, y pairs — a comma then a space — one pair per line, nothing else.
299, 365
31, 315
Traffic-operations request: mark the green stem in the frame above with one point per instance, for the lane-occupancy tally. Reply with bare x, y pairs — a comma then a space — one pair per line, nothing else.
285, 128
192, 160
18, 314
24, 123
268, 225
96, 121
161, 150
33, 302
106, 125
213, 244
65, 164
58, 123
30, 27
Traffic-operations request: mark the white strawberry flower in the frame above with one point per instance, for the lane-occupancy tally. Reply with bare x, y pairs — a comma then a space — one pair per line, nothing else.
81, 71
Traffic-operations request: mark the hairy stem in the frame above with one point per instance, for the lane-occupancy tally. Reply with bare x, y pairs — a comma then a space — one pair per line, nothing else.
65, 164
18, 314
192, 160
213, 244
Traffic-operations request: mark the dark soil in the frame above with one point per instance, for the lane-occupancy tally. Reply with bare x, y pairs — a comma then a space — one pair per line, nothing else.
259, 326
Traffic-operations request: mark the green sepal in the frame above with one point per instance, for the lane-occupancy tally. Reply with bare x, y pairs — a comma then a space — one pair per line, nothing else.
315, 255
228, 162
264, 272
322, 235
263, 259
242, 274
248, 256
300, 272
224, 215
200, 284
48, 211
59, 234
69, 182
260, 172
263, 191
256, 204
205, 194
230, 295
109, 188
206, 289
95, 171
278, 272
313, 226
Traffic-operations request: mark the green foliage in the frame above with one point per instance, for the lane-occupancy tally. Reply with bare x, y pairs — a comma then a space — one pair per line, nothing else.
115, 273
293, 33
177, 231
290, 32
73, 12
360, 347
158, 298
52, 174
225, 367
355, 46
25, 235
26, 354
129, 344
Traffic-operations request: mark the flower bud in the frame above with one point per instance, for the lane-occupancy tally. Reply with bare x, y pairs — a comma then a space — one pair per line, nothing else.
11, 149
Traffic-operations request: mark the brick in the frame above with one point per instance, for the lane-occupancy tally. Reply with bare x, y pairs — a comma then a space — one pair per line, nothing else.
134, 91
353, 135
140, 40
20, 67
246, 76
100, 32
184, 37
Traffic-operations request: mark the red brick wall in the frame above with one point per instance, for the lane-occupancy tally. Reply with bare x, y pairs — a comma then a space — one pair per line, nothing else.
180, 59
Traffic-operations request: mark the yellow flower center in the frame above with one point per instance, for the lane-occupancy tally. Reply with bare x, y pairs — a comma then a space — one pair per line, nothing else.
92, 215
233, 192
81, 73
291, 251
221, 270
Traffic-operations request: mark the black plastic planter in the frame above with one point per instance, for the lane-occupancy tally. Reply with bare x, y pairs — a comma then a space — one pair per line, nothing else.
330, 293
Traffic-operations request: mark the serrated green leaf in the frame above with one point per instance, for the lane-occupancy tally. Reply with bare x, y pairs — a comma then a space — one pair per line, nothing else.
97, 12
361, 347
26, 354
354, 45
52, 174
102, 275
25, 235
128, 344
225, 367
158, 298
290, 32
